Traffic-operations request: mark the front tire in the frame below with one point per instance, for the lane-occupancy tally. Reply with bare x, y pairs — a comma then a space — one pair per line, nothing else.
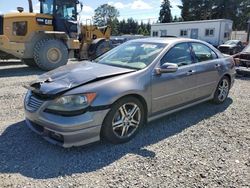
123, 121
50, 54
222, 91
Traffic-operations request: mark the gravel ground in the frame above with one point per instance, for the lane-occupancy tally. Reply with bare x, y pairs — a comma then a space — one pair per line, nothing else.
203, 146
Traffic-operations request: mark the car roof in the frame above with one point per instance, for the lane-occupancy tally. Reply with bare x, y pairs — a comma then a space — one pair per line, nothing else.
165, 40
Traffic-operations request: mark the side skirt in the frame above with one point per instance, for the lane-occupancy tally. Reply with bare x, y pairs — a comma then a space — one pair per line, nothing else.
167, 112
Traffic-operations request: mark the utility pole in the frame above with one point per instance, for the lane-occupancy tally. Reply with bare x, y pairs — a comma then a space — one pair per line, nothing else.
248, 30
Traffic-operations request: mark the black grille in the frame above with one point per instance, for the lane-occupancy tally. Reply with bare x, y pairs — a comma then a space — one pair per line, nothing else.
1, 24
224, 50
34, 104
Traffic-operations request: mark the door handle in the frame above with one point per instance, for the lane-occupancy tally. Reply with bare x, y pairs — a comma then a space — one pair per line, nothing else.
191, 72
217, 65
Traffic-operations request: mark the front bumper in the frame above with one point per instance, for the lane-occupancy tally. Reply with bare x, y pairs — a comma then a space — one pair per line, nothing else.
66, 139
66, 131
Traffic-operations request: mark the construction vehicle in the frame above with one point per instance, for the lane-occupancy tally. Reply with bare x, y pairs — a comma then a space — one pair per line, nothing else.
49, 38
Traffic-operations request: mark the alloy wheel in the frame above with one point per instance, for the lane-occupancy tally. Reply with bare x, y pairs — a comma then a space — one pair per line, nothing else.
126, 120
223, 90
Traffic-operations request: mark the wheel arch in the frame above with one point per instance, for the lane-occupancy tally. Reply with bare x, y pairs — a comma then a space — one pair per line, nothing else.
229, 77
137, 96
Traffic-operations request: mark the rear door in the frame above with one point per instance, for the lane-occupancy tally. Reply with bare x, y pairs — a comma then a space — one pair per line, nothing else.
207, 69
172, 90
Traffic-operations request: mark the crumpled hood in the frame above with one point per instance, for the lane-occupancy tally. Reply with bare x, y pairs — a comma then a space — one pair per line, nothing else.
74, 75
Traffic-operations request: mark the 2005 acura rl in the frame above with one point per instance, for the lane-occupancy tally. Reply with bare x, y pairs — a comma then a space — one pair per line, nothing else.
113, 96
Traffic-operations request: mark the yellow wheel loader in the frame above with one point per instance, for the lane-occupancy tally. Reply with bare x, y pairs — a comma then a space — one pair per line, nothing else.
49, 38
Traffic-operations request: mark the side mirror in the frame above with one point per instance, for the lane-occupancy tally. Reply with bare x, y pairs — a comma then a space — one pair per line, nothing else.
166, 68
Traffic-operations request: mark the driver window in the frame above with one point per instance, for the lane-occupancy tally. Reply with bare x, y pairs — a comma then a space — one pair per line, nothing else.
179, 54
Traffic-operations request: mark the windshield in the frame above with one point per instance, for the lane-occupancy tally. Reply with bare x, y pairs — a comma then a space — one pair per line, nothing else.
231, 42
64, 9
47, 7
135, 55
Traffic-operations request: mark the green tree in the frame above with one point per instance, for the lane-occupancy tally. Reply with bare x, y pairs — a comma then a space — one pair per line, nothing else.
175, 19
165, 12
236, 10
114, 27
146, 32
105, 15
140, 31
148, 27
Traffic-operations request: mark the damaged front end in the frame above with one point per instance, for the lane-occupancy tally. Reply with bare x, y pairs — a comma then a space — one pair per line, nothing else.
57, 82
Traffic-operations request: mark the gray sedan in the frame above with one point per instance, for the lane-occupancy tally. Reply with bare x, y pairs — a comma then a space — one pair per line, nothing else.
115, 95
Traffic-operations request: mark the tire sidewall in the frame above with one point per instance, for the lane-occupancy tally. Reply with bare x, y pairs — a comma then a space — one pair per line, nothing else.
41, 54
107, 129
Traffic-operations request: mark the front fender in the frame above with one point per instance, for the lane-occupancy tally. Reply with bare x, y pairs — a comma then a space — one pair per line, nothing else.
112, 89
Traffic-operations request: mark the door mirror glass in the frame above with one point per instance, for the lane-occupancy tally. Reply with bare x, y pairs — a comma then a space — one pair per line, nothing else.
167, 68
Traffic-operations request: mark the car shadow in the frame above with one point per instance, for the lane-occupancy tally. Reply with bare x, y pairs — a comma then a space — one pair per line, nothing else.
24, 152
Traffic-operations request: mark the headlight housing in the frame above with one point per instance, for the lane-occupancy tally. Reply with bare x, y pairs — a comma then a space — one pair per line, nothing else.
71, 105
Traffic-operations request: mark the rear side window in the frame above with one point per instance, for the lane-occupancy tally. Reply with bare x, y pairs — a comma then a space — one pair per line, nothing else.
179, 54
203, 52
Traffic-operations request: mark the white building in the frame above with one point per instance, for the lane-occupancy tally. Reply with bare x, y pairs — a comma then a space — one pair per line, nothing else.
239, 35
214, 32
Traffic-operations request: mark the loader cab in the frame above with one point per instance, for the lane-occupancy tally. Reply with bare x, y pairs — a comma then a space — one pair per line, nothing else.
64, 14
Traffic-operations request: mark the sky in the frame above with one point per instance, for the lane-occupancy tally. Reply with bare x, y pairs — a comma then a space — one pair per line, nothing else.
140, 10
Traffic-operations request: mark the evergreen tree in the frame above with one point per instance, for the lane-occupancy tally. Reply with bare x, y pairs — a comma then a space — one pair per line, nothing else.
165, 12
146, 32
140, 31
236, 10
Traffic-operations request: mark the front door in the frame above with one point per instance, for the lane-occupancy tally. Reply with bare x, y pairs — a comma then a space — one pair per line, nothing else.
65, 18
172, 90
194, 33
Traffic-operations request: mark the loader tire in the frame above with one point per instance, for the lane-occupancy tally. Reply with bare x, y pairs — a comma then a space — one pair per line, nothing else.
29, 62
99, 49
102, 47
50, 54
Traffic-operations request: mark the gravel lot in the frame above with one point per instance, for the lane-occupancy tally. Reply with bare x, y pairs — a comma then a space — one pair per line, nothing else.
203, 146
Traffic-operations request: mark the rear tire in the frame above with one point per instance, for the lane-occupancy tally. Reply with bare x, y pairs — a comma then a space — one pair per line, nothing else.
222, 91
29, 62
122, 125
50, 54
